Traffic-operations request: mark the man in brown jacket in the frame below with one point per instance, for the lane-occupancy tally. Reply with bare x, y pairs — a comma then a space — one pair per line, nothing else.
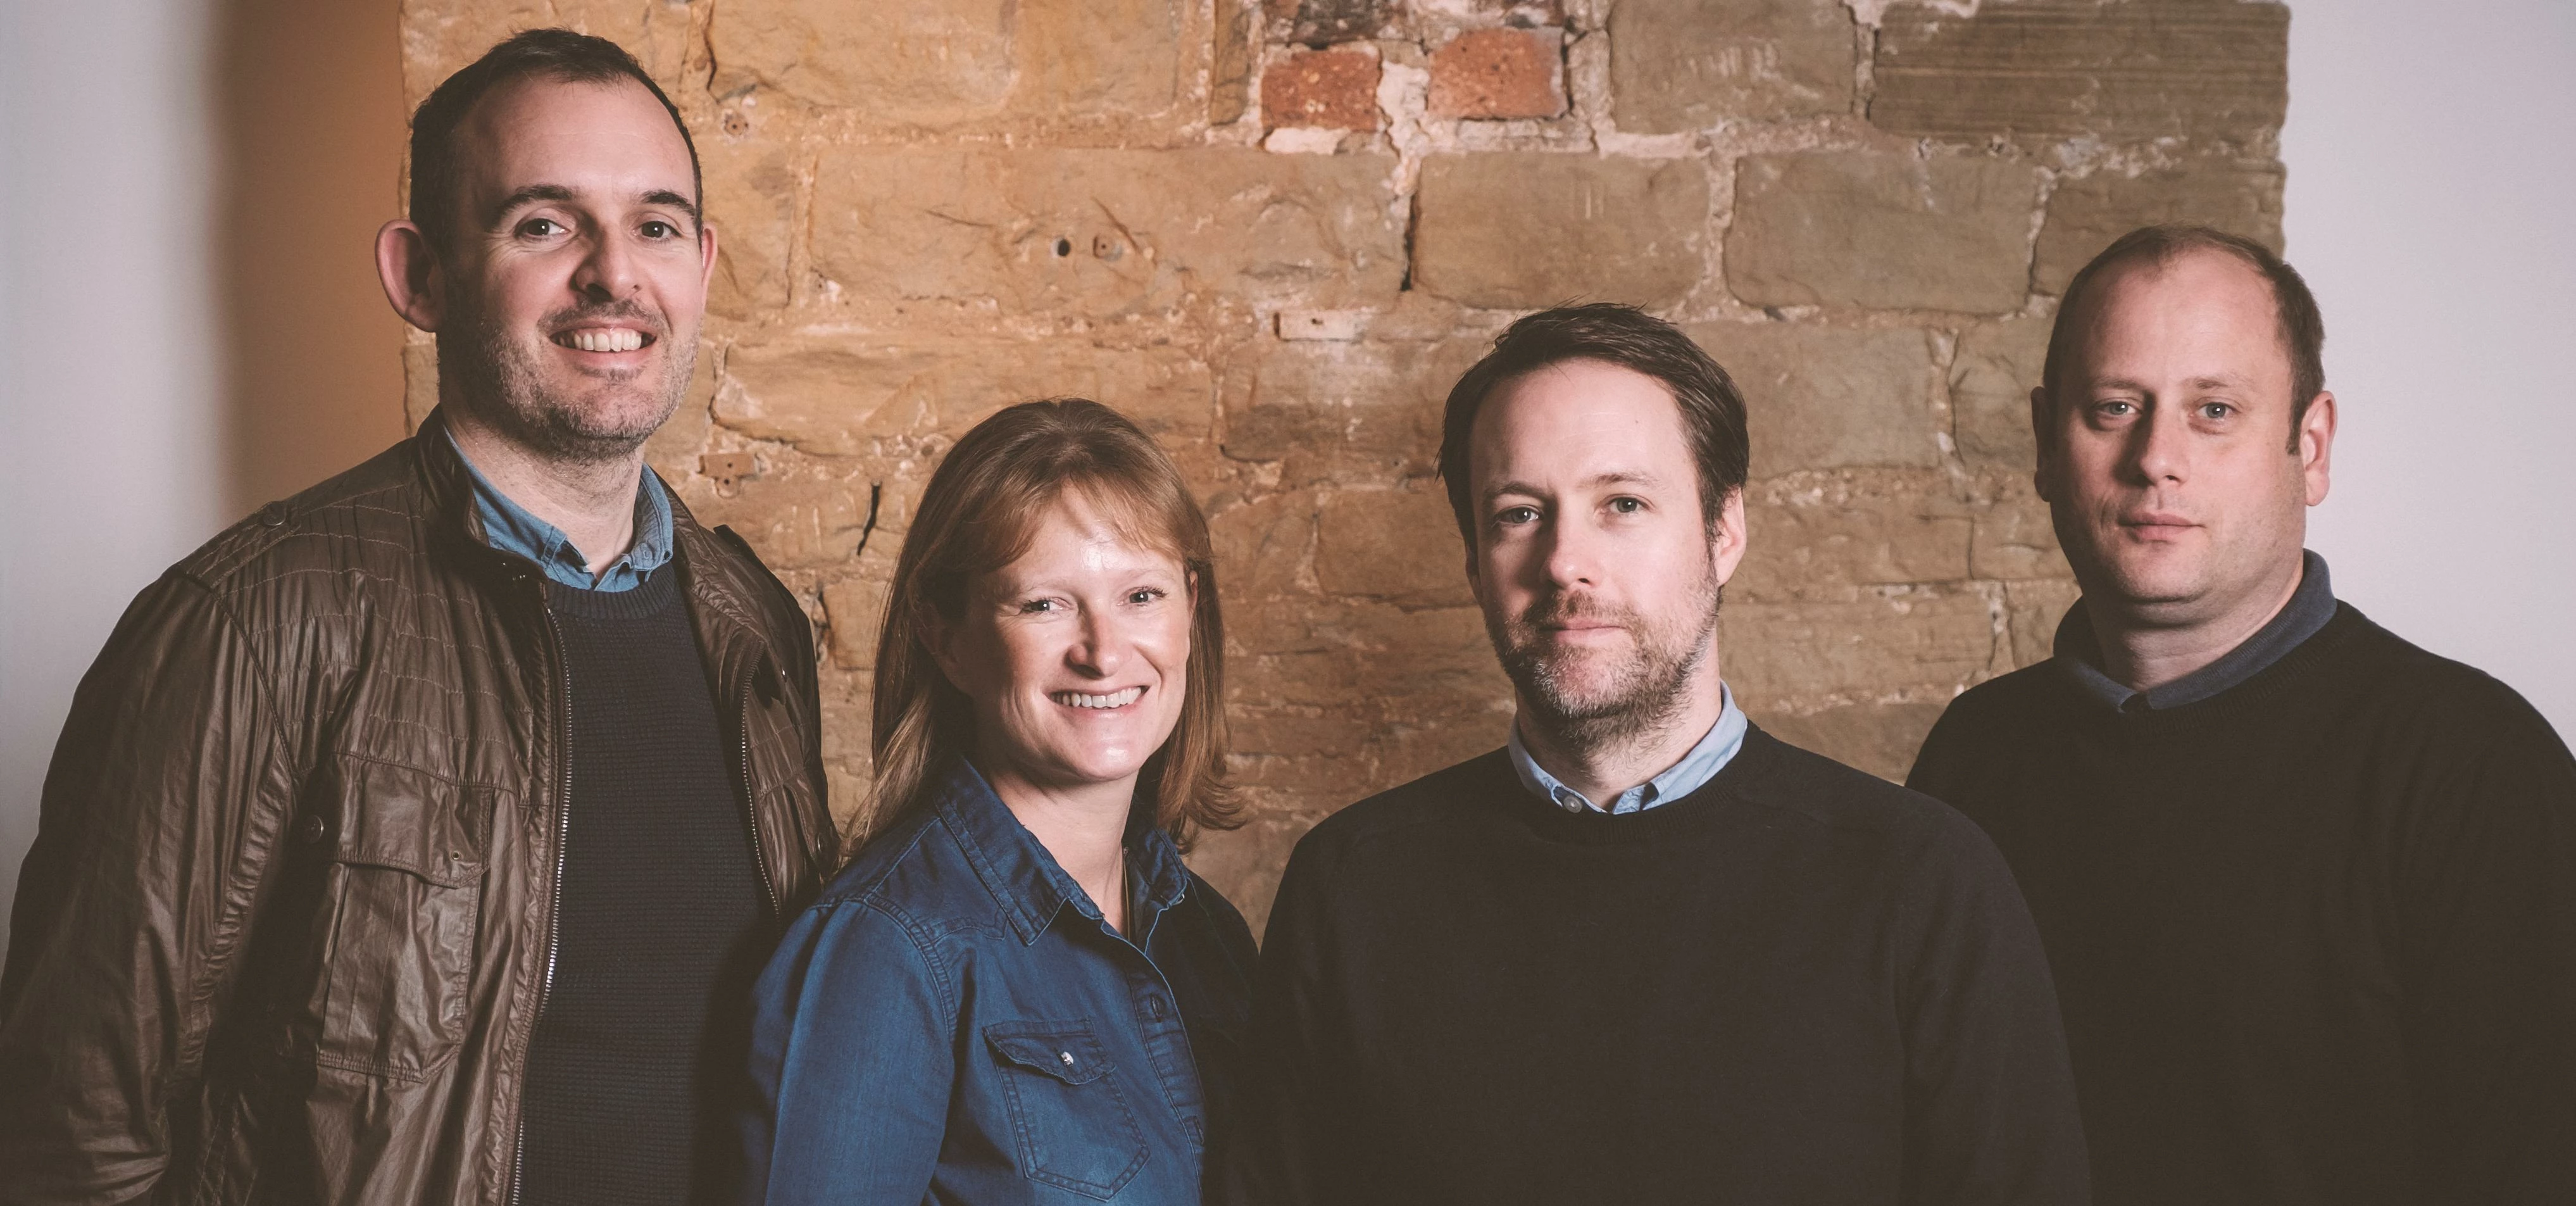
413, 840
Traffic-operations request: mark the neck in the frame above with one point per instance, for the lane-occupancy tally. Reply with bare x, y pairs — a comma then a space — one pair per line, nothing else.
2142, 653
1084, 826
1605, 764
592, 502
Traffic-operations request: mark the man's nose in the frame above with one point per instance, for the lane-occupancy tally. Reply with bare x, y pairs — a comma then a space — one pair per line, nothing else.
1573, 555
2159, 445
607, 273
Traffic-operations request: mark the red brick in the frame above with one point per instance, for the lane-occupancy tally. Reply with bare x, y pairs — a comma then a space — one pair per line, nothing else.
1331, 89
1499, 73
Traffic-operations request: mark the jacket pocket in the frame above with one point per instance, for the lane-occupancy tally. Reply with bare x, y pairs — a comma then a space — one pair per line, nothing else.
1069, 1119
405, 886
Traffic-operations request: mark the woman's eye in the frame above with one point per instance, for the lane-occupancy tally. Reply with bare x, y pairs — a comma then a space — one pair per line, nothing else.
1035, 606
1143, 594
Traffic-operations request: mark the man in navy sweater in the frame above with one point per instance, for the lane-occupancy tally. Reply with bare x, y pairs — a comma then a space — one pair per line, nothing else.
1645, 952
2309, 891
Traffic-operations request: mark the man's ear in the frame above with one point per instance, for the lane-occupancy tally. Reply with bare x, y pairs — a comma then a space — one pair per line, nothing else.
706, 256
408, 268
1726, 544
2316, 446
2043, 434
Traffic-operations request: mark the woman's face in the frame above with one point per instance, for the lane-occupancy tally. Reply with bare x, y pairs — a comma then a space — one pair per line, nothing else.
1074, 656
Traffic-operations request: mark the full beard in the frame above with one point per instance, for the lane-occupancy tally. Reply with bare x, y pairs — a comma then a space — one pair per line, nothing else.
1591, 708
499, 378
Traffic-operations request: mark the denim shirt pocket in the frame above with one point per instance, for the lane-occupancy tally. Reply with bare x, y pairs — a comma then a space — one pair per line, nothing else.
1069, 1119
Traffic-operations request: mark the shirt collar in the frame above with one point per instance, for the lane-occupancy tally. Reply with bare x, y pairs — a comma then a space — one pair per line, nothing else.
2078, 651
511, 528
1717, 748
1020, 872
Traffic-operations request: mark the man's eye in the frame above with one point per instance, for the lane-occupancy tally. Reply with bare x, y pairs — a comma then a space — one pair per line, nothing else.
2116, 409
1036, 606
2216, 410
1627, 506
1517, 515
538, 228
660, 230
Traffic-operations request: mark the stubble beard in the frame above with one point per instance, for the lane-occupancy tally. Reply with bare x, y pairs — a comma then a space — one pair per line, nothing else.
499, 380
1643, 695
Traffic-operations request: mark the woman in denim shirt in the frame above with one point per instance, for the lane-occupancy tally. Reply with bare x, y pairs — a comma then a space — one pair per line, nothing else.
1016, 992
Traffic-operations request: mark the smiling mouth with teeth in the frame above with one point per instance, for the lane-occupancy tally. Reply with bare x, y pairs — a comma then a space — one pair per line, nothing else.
1115, 699
603, 339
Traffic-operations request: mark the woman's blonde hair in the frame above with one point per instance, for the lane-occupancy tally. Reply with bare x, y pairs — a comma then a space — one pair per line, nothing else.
978, 515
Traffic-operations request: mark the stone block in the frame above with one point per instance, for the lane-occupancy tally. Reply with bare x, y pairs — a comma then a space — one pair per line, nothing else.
2033, 611
1881, 738
1104, 234
2044, 70
1499, 73
441, 36
1263, 546
751, 201
1794, 655
837, 398
1678, 65
1321, 22
1230, 62
1399, 545
1991, 375
1321, 89
2085, 215
673, 450
1819, 397
1579, 227
1347, 412
1825, 548
1882, 231
855, 610
941, 64
2016, 540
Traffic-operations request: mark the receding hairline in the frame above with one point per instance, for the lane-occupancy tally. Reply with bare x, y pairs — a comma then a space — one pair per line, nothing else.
475, 123
2163, 261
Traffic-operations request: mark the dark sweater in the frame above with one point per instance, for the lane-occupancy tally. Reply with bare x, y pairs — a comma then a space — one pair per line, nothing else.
660, 926
2315, 936
1796, 984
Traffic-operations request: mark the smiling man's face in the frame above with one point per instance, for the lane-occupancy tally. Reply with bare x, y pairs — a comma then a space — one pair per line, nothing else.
576, 267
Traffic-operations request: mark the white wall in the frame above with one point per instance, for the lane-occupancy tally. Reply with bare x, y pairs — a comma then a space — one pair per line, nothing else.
110, 391
2431, 171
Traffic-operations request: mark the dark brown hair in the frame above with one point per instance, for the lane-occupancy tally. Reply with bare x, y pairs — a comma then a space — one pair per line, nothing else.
1614, 334
557, 54
979, 514
2303, 329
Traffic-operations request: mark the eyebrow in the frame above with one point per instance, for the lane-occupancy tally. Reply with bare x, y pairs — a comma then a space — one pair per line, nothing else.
2220, 381
1615, 477
531, 194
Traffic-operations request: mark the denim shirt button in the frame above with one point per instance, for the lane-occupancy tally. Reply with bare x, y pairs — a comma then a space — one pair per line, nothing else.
1154, 1008
1066, 1056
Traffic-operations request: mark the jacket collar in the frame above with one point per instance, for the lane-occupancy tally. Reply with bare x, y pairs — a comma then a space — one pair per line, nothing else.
1027, 881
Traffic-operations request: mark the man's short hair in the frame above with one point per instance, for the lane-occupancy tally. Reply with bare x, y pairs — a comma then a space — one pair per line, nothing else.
1632, 339
2303, 329
556, 54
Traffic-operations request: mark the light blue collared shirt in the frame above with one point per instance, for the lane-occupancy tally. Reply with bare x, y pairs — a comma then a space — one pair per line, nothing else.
1690, 774
509, 527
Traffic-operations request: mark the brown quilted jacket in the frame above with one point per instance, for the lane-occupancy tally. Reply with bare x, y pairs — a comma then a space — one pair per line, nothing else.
285, 928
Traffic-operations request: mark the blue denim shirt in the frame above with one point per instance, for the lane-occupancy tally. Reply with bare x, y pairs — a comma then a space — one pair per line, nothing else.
954, 1021
1696, 768
509, 527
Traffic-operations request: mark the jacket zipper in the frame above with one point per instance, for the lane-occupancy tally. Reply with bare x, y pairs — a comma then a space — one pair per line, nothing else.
554, 908
751, 803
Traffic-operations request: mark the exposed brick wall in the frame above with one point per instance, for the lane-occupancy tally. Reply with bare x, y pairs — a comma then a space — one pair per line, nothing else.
1276, 230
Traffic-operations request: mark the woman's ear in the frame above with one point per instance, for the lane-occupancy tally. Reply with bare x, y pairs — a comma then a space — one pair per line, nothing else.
939, 635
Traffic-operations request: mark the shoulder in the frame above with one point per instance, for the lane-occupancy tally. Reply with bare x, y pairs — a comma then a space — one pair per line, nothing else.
1806, 788
2409, 697
355, 518
728, 574
1427, 808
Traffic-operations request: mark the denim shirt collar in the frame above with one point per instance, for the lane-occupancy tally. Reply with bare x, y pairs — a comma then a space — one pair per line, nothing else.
510, 528
1693, 772
1027, 880
2078, 651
